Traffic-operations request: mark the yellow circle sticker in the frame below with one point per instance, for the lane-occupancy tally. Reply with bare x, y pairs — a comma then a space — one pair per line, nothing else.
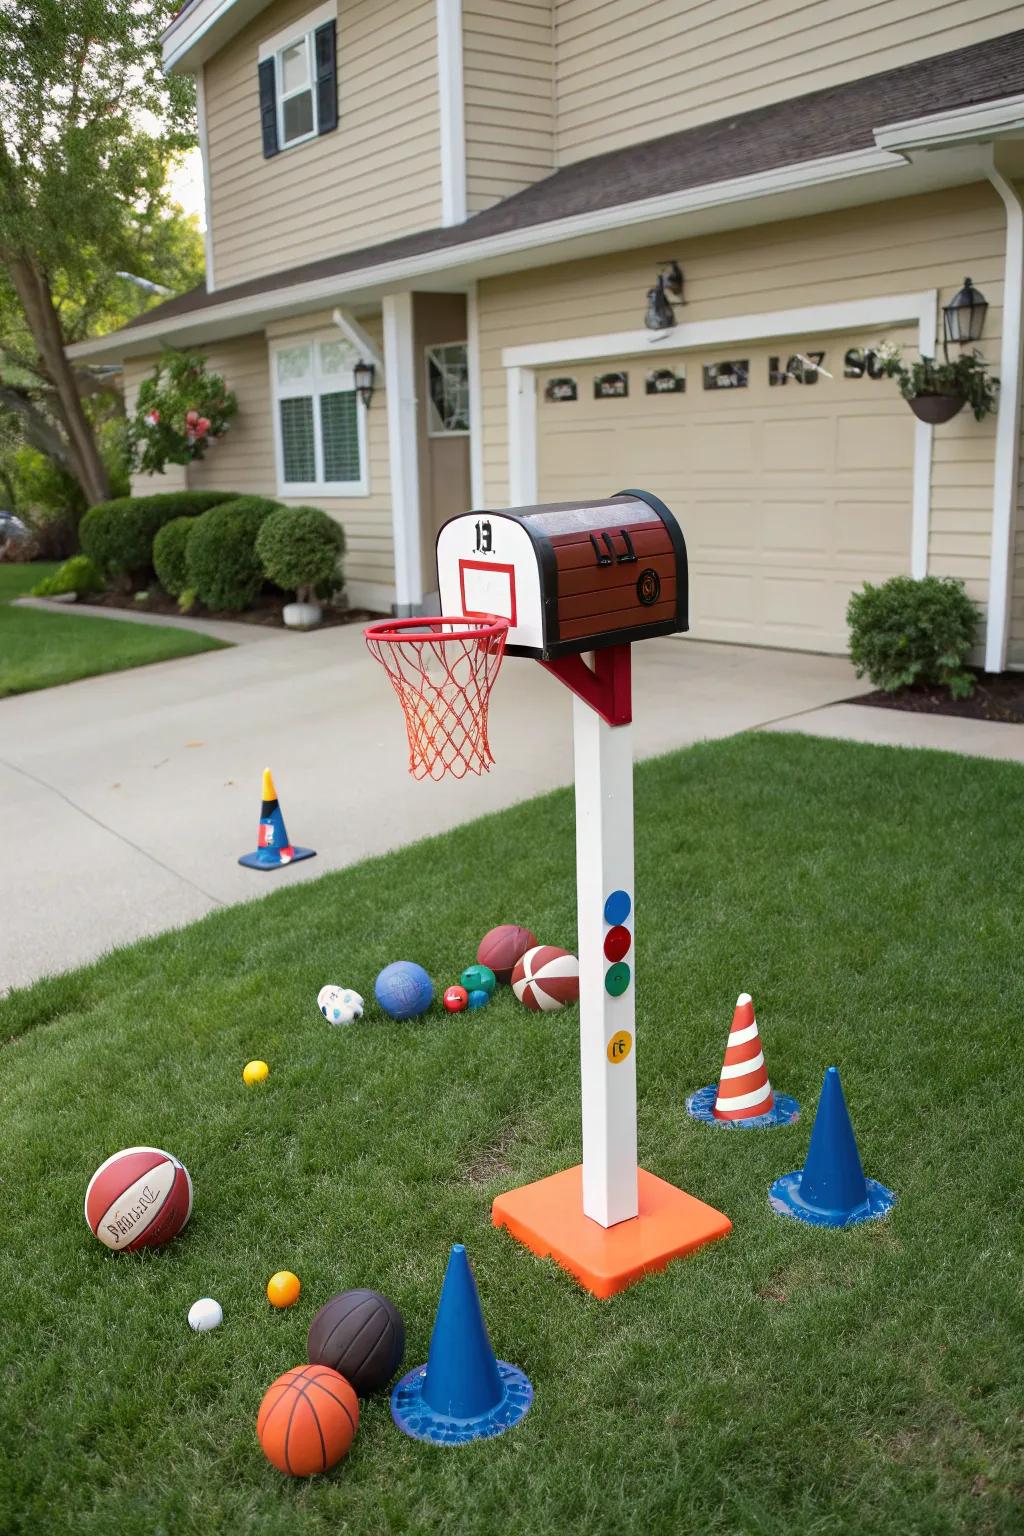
619, 1046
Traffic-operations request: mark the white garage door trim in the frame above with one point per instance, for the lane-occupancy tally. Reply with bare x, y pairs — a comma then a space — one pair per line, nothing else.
520, 364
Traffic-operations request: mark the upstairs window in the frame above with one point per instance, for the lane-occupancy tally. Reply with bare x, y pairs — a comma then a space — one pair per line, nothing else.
298, 82
320, 422
448, 390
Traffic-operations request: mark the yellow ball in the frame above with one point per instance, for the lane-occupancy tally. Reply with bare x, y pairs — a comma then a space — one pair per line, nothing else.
283, 1289
255, 1072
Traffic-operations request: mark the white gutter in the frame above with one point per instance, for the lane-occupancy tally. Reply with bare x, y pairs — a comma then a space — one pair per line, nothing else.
386, 275
940, 129
1004, 490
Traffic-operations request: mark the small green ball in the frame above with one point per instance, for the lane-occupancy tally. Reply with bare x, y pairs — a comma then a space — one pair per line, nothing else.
479, 978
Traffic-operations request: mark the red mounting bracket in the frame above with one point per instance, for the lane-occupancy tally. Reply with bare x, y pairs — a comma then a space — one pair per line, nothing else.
606, 686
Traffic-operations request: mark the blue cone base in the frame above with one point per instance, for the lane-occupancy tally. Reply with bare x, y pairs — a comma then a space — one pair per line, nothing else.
270, 858
416, 1418
701, 1106
784, 1197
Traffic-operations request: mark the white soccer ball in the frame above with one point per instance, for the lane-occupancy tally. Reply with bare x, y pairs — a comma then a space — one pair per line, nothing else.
205, 1314
339, 1005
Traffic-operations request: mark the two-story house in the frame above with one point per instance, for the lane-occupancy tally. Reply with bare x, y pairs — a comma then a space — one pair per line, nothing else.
489, 201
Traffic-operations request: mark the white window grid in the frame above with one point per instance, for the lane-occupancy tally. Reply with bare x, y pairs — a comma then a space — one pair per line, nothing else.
451, 362
306, 39
309, 367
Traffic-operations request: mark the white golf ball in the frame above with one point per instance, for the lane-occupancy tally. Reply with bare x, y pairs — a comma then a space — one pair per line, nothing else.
205, 1314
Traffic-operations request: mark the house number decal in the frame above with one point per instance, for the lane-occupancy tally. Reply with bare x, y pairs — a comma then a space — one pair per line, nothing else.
556, 390
665, 381
802, 367
859, 362
483, 545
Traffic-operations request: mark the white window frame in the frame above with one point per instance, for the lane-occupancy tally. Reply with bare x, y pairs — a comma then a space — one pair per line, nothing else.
441, 432
273, 48
313, 387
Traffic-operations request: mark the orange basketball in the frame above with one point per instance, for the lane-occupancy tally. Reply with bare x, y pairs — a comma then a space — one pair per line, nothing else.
307, 1420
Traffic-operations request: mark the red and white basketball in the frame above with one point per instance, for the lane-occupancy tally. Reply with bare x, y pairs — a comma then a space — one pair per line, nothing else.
547, 978
138, 1198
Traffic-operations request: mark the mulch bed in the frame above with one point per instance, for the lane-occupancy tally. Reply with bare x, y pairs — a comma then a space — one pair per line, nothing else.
997, 696
266, 610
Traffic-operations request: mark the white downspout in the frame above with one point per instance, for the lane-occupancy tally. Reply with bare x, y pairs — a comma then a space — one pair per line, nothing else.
1004, 493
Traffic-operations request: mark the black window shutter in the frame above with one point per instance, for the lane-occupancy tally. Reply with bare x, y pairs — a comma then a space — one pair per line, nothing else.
326, 77
268, 108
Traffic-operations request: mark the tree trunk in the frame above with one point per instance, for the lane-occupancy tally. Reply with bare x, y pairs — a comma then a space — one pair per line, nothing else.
33, 291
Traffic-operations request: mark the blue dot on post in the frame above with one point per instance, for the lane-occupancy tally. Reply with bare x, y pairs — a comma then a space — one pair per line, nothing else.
617, 908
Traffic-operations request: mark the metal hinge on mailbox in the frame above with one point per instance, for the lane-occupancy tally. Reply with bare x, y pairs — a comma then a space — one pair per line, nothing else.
602, 559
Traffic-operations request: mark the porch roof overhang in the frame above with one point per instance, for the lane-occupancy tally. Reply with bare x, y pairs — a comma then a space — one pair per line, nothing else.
201, 28
831, 149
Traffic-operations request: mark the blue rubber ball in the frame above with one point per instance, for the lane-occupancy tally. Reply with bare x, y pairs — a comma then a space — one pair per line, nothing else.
479, 998
404, 990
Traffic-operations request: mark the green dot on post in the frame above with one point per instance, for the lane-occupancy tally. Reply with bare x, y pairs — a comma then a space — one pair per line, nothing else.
617, 979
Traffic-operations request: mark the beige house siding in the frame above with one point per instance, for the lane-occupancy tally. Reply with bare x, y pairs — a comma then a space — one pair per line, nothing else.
630, 70
922, 243
376, 176
508, 68
244, 459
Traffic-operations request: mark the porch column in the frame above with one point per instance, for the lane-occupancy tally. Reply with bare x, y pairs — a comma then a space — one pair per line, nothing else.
403, 458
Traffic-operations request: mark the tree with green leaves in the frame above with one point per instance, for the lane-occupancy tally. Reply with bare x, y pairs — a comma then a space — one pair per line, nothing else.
89, 125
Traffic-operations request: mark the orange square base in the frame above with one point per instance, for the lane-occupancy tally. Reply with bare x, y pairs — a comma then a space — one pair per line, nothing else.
547, 1217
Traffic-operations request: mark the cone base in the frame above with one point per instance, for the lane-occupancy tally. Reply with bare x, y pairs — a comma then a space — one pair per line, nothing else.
417, 1419
701, 1106
270, 858
784, 1197
547, 1217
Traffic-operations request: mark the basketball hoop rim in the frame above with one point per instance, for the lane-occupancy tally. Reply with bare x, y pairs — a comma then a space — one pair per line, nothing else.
416, 631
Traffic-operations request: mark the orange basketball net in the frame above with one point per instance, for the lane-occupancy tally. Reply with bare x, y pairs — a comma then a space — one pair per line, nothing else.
443, 671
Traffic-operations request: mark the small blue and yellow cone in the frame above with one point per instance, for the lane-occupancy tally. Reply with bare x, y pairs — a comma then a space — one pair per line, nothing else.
462, 1393
274, 850
831, 1190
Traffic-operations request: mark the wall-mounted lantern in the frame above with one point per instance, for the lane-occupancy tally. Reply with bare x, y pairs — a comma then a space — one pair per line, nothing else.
963, 318
667, 290
363, 374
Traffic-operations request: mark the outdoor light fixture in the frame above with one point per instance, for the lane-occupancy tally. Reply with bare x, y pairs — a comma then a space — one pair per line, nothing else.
963, 318
660, 315
363, 374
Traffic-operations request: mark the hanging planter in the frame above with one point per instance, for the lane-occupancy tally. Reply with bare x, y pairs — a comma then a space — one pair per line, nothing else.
181, 409
936, 392
934, 408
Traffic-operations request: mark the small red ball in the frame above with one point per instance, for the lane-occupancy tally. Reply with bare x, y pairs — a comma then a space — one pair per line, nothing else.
455, 999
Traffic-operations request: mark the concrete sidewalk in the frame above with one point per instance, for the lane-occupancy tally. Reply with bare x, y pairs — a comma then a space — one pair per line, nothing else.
128, 798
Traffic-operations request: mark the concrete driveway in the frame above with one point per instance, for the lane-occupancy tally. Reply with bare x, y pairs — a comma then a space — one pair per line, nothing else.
127, 799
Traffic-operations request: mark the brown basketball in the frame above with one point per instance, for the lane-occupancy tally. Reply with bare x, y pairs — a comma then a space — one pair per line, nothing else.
361, 1334
307, 1420
502, 947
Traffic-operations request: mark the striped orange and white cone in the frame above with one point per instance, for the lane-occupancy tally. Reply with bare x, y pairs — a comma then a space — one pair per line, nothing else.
743, 1095
744, 1091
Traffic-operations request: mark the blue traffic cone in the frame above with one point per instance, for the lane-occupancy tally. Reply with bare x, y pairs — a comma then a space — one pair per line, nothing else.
273, 850
831, 1190
462, 1393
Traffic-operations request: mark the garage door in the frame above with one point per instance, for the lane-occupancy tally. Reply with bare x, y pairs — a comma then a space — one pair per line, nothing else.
792, 488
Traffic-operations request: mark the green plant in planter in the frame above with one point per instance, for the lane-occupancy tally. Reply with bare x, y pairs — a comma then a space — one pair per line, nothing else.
908, 632
181, 408
965, 379
299, 548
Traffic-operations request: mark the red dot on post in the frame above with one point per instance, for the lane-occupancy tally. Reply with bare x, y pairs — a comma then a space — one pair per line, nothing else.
617, 943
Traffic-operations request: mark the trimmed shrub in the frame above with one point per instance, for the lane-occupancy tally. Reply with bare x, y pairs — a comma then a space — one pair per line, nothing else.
221, 557
169, 548
299, 548
118, 535
77, 575
909, 632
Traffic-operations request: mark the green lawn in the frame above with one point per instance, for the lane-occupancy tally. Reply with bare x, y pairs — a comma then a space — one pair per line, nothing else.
787, 1380
38, 650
